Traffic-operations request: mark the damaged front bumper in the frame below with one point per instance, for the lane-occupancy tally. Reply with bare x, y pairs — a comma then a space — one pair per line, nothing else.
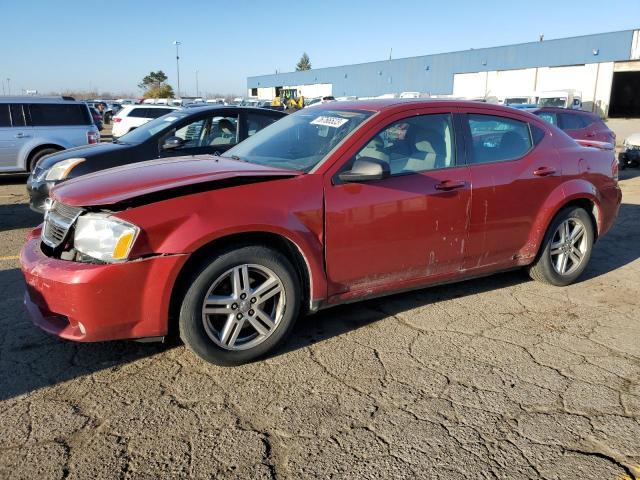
95, 302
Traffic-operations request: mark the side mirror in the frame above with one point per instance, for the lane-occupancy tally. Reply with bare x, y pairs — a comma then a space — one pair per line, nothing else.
172, 142
365, 169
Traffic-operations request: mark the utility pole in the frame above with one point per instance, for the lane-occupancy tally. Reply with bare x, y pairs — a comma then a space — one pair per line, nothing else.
197, 88
8, 86
177, 44
3, 92
390, 53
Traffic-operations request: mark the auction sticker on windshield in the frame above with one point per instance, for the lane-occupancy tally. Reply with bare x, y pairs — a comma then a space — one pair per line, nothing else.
334, 122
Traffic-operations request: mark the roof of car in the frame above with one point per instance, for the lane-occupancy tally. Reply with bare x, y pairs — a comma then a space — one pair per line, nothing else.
563, 110
32, 99
153, 105
376, 105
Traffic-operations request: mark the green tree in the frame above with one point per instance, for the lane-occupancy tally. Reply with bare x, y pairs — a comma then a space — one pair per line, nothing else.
163, 91
304, 63
155, 86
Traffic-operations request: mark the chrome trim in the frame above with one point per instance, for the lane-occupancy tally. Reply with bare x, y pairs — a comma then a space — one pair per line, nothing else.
58, 220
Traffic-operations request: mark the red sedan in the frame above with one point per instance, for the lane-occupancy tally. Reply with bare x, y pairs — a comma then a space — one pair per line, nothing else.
335, 203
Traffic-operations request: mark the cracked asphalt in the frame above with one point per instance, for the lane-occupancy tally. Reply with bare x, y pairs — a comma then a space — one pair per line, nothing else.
500, 377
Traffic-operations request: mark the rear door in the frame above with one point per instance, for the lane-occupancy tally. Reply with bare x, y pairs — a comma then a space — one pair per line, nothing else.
7, 141
513, 169
66, 121
14, 138
405, 229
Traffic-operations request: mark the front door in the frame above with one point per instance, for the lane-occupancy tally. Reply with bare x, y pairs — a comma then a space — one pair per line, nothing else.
213, 134
394, 232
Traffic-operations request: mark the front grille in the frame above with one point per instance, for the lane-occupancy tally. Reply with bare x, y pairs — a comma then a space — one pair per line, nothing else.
58, 220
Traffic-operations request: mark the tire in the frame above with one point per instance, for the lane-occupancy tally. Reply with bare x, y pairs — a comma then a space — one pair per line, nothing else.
219, 336
35, 158
549, 264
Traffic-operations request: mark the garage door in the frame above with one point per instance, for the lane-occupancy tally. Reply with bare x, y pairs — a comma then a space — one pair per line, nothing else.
625, 90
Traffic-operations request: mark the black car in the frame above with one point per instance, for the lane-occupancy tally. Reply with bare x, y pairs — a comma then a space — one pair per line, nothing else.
194, 131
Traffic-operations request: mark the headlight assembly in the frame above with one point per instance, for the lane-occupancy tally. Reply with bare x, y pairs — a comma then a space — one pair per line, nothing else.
103, 237
61, 170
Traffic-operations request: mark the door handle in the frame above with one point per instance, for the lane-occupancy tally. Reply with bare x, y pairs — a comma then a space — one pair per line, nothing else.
21, 135
544, 171
450, 185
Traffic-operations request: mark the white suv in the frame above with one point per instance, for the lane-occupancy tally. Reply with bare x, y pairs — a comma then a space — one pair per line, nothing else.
132, 116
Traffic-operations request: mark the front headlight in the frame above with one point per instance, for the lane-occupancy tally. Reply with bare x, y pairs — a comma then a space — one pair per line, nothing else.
61, 169
104, 237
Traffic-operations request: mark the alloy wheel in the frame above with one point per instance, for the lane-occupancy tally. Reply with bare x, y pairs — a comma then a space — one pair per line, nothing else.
243, 307
568, 246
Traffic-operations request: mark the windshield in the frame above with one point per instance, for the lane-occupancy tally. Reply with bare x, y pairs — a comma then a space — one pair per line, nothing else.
299, 141
516, 101
149, 129
553, 102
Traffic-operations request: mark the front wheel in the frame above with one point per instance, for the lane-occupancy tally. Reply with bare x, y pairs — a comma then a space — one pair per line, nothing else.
240, 305
566, 248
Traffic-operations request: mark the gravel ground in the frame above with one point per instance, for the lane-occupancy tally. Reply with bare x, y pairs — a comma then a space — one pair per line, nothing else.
500, 377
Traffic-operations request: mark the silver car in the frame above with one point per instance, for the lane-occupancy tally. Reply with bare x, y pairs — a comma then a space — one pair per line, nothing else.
32, 127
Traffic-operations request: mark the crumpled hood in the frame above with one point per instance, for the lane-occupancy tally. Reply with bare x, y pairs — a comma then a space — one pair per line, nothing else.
120, 184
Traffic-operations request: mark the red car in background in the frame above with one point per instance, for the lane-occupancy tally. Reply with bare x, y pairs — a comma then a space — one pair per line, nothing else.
578, 124
335, 203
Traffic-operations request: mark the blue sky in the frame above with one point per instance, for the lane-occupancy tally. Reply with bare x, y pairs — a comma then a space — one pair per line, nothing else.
55, 45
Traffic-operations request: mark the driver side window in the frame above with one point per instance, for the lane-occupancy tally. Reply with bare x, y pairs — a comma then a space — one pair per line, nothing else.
209, 132
415, 144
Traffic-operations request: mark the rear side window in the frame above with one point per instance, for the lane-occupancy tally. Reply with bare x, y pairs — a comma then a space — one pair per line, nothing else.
158, 112
54, 114
17, 115
5, 117
497, 139
139, 113
574, 122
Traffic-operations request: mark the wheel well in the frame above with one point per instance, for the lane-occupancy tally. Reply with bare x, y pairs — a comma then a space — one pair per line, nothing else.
591, 208
272, 240
37, 149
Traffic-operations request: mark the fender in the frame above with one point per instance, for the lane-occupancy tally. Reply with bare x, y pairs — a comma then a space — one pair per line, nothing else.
575, 189
258, 208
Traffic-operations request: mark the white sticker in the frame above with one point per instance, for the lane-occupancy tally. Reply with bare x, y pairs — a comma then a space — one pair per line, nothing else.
170, 119
334, 122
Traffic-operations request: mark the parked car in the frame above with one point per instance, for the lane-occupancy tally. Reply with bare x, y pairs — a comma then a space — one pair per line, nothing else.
630, 155
561, 98
331, 204
33, 127
132, 116
578, 124
193, 131
97, 118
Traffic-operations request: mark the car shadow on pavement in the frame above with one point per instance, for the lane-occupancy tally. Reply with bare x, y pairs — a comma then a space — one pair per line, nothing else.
18, 215
31, 359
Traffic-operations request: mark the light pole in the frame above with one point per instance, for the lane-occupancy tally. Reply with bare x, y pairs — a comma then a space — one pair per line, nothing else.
177, 44
197, 89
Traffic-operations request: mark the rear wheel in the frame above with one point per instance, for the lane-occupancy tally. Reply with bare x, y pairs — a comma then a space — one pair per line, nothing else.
241, 305
566, 249
36, 156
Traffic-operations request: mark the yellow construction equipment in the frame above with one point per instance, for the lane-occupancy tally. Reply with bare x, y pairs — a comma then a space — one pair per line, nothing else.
289, 99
